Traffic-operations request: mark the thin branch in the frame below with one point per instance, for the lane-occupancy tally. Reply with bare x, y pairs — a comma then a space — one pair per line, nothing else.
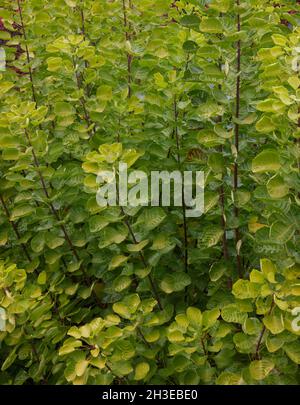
35, 351
82, 21
222, 190
143, 337
203, 346
127, 38
27, 52
53, 209
185, 232
236, 136
223, 222
83, 32
152, 283
14, 227
82, 100
262, 333
36, 162
297, 141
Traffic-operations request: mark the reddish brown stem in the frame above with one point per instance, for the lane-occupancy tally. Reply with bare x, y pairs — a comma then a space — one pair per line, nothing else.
223, 223
185, 232
82, 21
14, 227
262, 333
86, 114
203, 346
152, 283
53, 210
127, 38
143, 337
222, 193
236, 137
27, 52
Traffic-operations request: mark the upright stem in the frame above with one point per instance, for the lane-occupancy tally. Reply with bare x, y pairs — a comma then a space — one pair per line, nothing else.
203, 346
82, 21
222, 190
27, 52
82, 100
262, 333
152, 283
298, 143
143, 337
223, 223
236, 137
14, 227
127, 38
86, 63
53, 209
34, 98
185, 233
36, 162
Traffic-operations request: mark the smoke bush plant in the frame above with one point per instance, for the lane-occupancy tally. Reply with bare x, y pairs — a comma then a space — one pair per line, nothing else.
106, 295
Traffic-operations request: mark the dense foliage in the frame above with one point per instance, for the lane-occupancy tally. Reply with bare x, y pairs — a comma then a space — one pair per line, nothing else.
146, 295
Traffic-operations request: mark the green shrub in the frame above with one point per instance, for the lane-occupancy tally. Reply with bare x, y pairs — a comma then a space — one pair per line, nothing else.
144, 295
